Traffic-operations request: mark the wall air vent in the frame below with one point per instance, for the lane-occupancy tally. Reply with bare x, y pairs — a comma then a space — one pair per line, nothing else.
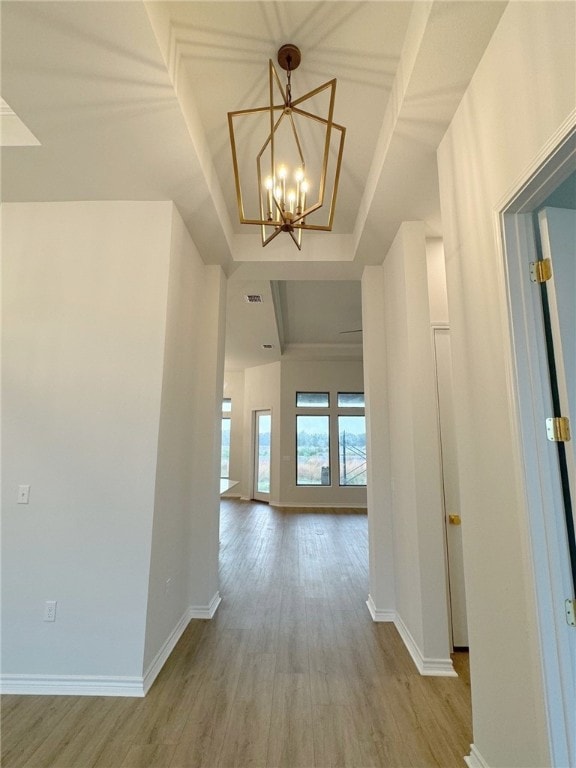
253, 298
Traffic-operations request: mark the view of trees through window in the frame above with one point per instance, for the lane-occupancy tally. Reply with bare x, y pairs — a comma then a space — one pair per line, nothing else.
352, 450
225, 454
312, 450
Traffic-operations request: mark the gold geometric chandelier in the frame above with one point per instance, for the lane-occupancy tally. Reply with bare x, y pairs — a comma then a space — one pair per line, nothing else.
287, 159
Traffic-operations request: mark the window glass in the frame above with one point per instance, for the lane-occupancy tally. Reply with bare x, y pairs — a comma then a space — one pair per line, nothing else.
350, 399
225, 455
227, 405
312, 399
264, 429
352, 450
312, 450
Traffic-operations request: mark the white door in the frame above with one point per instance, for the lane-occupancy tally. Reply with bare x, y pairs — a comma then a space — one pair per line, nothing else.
262, 446
452, 512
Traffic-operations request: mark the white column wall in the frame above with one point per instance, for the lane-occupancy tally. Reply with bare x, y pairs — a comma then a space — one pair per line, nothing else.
381, 600
522, 93
209, 363
177, 579
407, 438
84, 303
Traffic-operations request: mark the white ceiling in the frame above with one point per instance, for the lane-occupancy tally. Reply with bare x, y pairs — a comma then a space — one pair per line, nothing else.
129, 100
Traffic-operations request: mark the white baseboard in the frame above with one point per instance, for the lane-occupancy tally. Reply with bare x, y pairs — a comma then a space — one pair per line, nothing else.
97, 685
71, 685
428, 667
205, 611
475, 759
162, 656
378, 614
304, 505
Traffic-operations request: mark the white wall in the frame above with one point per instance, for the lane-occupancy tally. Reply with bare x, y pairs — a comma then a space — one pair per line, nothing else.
521, 94
84, 301
317, 376
437, 293
234, 389
113, 366
179, 532
420, 575
382, 598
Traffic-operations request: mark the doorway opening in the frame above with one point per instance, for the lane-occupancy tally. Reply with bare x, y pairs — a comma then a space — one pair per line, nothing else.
542, 323
262, 446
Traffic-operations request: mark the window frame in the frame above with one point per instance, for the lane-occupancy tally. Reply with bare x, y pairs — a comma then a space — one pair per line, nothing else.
329, 435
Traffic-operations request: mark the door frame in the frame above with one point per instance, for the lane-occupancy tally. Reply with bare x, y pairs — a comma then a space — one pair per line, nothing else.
256, 494
435, 328
552, 580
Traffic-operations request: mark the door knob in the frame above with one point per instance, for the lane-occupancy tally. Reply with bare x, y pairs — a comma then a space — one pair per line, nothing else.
454, 519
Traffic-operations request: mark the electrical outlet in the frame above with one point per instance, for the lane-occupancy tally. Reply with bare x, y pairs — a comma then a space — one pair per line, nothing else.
167, 587
50, 610
23, 494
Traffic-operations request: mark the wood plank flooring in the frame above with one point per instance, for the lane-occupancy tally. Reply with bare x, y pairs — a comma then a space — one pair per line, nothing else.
291, 672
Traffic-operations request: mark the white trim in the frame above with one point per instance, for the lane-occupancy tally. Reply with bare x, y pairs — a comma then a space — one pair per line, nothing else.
305, 505
426, 667
205, 611
162, 656
524, 193
96, 685
475, 759
378, 614
71, 685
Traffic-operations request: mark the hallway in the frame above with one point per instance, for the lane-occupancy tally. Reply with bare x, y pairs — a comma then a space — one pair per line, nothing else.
291, 672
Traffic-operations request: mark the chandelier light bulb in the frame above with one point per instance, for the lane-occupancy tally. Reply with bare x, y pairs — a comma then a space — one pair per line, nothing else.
299, 175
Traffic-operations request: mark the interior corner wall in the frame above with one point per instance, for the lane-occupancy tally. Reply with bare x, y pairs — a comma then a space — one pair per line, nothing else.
261, 393
234, 389
418, 519
84, 302
315, 376
182, 536
379, 497
437, 294
521, 95
205, 519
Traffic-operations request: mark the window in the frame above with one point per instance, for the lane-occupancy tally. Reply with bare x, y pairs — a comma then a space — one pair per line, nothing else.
225, 451
312, 399
225, 455
317, 434
312, 450
350, 399
352, 450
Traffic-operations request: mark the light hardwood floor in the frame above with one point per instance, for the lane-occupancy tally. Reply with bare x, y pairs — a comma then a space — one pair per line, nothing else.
291, 672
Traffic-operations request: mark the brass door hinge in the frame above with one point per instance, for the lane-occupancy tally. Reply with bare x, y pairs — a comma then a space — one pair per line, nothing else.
571, 612
540, 270
558, 429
